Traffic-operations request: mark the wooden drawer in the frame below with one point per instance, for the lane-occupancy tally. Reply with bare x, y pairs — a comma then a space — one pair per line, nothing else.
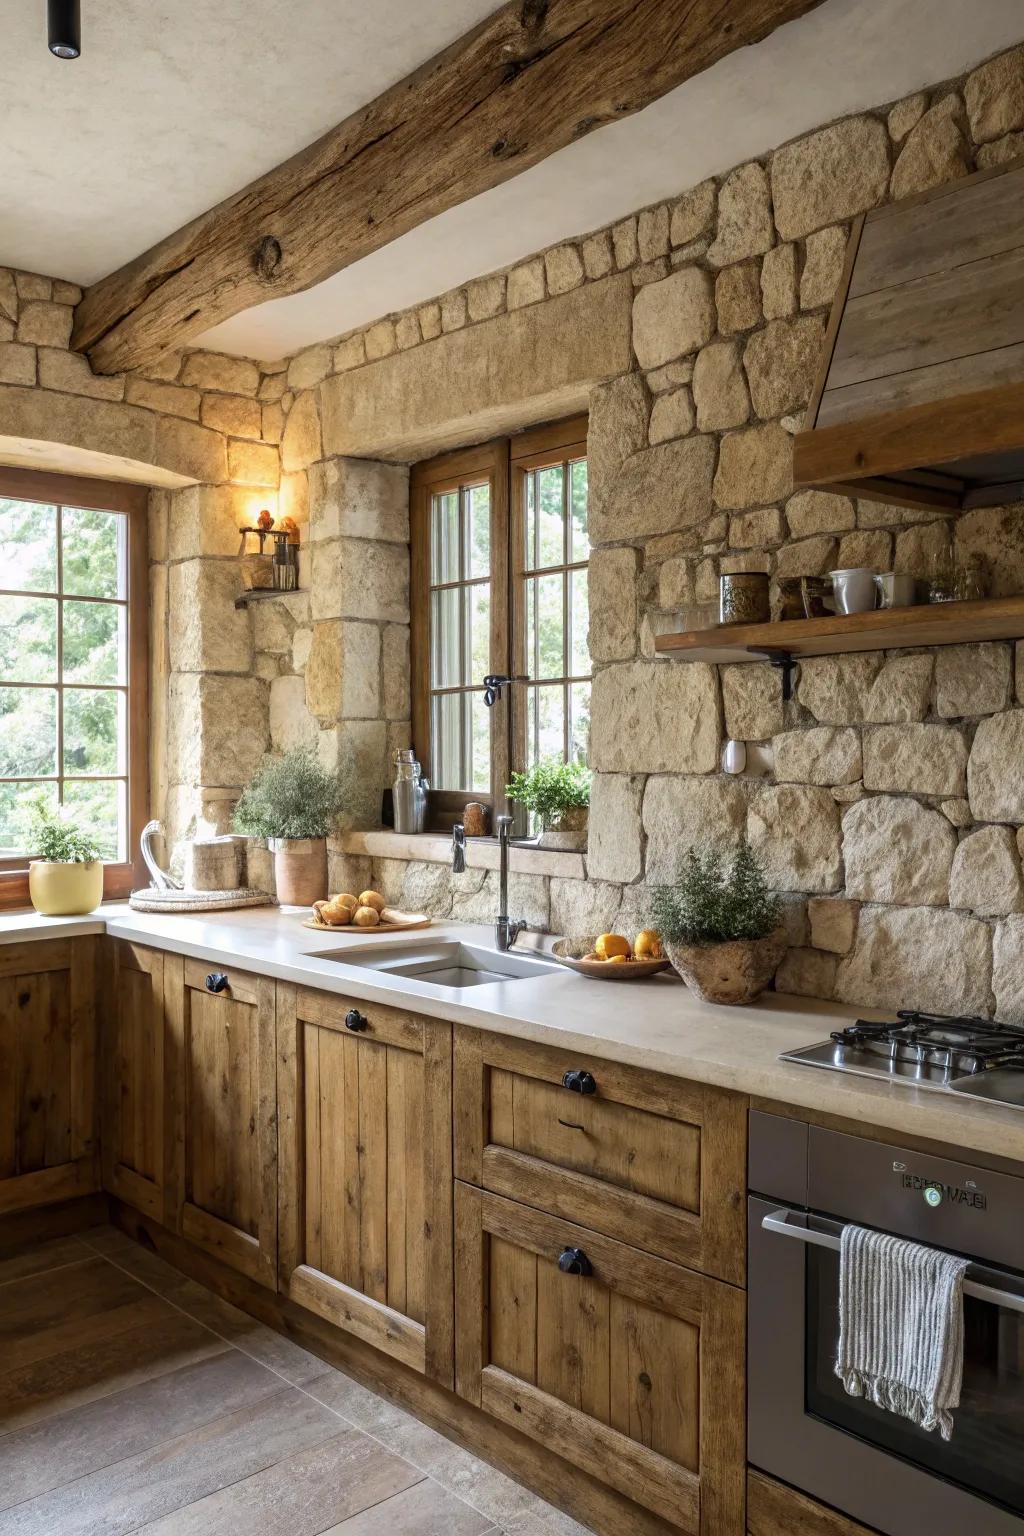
646, 1159
631, 1369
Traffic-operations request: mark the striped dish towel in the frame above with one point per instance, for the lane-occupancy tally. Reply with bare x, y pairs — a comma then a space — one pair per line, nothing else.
901, 1326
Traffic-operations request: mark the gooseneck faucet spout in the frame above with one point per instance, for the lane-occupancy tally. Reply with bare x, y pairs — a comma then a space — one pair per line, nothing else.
458, 848
506, 929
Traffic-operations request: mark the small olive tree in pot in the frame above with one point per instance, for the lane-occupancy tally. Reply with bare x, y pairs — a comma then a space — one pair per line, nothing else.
293, 802
720, 925
67, 878
559, 795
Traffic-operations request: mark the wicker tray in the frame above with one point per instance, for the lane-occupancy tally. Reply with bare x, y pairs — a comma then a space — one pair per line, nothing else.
154, 900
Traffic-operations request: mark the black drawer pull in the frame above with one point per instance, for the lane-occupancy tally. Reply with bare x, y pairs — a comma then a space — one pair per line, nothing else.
355, 1020
578, 1081
217, 981
573, 1261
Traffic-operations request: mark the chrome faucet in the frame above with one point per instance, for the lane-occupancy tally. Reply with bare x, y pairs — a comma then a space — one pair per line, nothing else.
458, 848
506, 929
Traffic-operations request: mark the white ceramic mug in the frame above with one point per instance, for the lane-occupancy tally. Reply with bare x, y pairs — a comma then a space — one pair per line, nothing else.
895, 590
853, 590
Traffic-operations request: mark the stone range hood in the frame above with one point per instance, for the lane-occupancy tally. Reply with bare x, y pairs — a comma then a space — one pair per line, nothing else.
920, 394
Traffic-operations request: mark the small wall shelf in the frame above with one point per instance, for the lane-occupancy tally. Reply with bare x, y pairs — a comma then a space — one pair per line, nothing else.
889, 629
263, 596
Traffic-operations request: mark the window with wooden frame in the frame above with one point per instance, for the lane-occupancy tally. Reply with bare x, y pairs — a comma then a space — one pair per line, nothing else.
73, 667
499, 590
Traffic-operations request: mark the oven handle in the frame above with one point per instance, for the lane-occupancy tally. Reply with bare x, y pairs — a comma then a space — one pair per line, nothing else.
782, 1222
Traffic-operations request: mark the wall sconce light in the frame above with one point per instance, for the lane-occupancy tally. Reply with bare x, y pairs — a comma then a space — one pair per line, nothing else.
734, 756
64, 24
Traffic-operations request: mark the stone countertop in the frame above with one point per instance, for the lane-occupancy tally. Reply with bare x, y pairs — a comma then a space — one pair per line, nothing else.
655, 1023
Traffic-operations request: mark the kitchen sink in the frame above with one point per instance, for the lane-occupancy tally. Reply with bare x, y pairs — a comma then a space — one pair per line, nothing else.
445, 963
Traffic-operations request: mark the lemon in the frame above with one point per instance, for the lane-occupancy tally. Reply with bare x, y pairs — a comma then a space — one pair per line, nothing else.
618, 960
612, 944
648, 945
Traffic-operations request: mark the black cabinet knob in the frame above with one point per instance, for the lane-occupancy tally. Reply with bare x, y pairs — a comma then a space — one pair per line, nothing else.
217, 982
578, 1081
573, 1261
356, 1020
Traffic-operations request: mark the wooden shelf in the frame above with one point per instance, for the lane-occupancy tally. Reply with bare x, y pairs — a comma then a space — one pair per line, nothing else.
995, 618
262, 595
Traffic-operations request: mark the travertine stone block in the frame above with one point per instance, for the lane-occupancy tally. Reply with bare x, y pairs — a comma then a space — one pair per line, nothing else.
972, 680
617, 429
234, 415
251, 463
583, 908
614, 848
215, 370
829, 175
845, 690
778, 282
924, 759
673, 317
486, 297
430, 322
395, 670
649, 717
300, 443
794, 829
755, 530
17, 363
781, 361
754, 467
752, 699
310, 366
218, 727
918, 957
42, 324
657, 490
744, 217
995, 96
526, 284
70, 371
822, 754
738, 298
896, 851
906, 114
169, 399
720, 388
833, 921
806, 973
693, 214
612, 593
598, 256
380, 339
995, 773
359, 498
867, 548
680, 813
935, 152
986, 874
823, 265
811, 512
207, 632
1008, 970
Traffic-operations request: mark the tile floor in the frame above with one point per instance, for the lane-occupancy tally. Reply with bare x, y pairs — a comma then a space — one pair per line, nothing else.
133, 1399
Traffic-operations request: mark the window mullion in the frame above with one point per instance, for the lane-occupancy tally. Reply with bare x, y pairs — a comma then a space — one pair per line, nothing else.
60, 655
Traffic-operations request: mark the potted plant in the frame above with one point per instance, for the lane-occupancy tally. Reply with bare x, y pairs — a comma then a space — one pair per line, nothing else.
720, 926
293, 802
559, 794
66, 880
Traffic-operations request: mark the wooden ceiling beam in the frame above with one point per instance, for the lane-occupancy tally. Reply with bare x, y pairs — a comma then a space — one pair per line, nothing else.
529, 80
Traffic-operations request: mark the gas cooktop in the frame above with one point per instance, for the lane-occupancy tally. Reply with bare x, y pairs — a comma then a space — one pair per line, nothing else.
929, 1050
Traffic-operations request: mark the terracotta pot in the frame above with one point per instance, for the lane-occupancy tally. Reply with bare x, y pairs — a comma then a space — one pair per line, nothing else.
735, 972
65, 890
567, 830
300, 870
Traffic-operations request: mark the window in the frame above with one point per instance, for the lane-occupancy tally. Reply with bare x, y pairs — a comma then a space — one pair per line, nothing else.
73, 685
499, 574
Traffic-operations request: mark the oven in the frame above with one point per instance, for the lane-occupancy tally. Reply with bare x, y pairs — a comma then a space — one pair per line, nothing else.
806, 1184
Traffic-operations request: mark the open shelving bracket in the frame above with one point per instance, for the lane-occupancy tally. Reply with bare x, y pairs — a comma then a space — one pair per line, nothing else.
783, 660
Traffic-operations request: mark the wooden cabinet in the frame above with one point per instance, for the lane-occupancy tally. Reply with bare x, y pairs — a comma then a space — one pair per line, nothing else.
365, 1113
222, 1103
773, 1508
48, 1141
646, 1159
135, 1053
628, 1366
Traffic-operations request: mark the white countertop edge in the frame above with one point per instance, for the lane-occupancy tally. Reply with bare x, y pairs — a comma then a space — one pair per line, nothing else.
656, 1024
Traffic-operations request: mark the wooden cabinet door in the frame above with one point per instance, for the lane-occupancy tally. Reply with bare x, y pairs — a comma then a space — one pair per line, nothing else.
48, 1143
647, 1159
366, 1172
631, 1368
225, 1115
134, 1147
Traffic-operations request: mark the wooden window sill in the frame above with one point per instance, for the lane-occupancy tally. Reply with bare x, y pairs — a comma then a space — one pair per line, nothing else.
481, 853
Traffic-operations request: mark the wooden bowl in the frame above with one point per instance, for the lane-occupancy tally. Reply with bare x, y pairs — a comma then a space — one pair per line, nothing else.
570, 953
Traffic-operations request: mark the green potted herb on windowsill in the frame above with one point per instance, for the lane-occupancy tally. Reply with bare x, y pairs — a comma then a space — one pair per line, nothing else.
559, 795
66, 880
720, 926
293, 802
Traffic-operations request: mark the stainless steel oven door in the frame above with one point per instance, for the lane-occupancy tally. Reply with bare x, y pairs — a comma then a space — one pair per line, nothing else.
871, 1465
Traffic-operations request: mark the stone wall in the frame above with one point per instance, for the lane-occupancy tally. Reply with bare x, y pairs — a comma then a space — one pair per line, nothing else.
888, 794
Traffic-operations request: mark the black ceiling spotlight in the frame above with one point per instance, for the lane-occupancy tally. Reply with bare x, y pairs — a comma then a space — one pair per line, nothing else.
65, 28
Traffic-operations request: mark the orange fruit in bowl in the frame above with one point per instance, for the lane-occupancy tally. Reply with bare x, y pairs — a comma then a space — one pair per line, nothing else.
618, 959
647, 945
612, 945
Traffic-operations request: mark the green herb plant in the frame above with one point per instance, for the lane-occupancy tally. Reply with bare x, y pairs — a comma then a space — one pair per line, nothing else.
710, 903
58, 841
291, 796
551, 787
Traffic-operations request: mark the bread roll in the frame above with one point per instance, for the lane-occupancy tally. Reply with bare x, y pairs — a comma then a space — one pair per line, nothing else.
372, 899
349, 900
366, 917
336, 912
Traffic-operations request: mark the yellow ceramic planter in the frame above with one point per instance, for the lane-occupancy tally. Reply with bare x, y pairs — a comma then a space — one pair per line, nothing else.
65, 890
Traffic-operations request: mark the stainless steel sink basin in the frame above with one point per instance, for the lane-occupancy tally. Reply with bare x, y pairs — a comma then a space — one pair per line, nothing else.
444, 963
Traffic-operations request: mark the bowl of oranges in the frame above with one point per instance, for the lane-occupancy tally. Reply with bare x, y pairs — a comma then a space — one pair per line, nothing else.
612, 957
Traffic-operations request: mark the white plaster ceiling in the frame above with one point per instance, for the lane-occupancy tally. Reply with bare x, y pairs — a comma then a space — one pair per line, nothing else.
177, 103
